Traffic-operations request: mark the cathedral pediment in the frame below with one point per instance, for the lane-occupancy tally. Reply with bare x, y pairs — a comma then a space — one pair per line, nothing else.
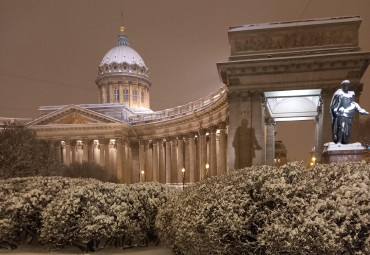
73, 115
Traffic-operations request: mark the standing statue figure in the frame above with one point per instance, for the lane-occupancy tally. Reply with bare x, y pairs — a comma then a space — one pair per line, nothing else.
342, 109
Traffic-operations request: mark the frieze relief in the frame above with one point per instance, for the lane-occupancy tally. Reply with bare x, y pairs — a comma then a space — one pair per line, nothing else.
295, 39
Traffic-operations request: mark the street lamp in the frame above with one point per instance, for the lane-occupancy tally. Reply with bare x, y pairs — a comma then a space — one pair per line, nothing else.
183, 177
142, 175
207, 168
313, 161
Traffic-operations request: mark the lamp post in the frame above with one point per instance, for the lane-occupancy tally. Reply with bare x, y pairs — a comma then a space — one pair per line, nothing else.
183, 177
142, 175
207, 168
313, 161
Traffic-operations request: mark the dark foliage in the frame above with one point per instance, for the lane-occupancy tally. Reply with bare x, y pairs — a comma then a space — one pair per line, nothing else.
22, 154
88, 170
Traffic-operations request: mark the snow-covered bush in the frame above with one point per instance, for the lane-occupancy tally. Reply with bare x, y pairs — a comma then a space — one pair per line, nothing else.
21, 202
103, 214
268, 210
83, 212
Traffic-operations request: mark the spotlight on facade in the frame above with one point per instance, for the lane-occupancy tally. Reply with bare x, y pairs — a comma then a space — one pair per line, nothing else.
183, 177
142, 175
207, 172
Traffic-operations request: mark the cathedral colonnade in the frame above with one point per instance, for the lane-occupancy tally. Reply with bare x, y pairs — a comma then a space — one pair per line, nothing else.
201, 153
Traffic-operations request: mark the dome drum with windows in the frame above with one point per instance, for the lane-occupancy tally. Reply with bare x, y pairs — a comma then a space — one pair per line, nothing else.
123, 76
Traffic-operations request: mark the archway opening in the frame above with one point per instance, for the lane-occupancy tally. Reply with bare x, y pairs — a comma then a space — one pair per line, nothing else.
298, 138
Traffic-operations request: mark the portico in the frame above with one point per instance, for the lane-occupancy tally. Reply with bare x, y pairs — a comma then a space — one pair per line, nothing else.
287, 71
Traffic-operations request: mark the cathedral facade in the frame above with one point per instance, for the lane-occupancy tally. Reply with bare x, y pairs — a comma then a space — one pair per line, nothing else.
276, 72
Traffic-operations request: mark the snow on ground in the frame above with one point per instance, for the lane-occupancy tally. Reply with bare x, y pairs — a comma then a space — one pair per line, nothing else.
35, 250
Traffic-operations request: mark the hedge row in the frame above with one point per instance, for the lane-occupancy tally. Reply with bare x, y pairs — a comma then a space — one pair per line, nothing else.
268, 210
85, 212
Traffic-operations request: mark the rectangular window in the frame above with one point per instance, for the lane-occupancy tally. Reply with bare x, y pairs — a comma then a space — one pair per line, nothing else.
125, 95
116, 95
134, 96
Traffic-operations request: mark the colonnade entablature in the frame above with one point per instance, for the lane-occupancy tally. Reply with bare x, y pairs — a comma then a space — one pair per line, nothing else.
180, 111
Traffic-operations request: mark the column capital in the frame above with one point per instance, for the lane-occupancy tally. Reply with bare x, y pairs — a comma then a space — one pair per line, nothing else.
156, 141
180, 136
202, 131
270, 122
87, 141
69, 142
264, 101
317, 119
213, 129
328, 92
222, 125
191, 134
104, 141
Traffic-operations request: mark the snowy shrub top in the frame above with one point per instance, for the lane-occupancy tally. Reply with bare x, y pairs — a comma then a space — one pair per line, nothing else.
268, 210
84, 212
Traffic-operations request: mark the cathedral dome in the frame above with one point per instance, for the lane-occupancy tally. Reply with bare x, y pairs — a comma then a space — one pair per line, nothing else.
122, 60
123, 76
123, 54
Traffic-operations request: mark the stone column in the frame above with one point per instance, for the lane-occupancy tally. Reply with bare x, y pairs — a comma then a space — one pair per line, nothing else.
162, 162
180, 157
155, 161
90, 153
202, 153
187, 158
120, 160
168, 160
324, 124
327, 95
192, 159
113, 156
270, 141
103, 95
238, 111
212, 152
67, 148
102, 151
222, 166
126, 163
85, 150
318, 131
73, 150
107, 156
96, 152
130, 163
174, 160
148, 162
258, 125
134, 159
355, 131
142, 158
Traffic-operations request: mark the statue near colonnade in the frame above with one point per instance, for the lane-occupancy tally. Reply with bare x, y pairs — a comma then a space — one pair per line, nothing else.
342, 110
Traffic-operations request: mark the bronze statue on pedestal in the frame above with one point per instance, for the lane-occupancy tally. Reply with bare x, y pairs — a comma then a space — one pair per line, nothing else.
342, 110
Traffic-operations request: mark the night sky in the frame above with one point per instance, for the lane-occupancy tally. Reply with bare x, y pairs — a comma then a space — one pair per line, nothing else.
50, 50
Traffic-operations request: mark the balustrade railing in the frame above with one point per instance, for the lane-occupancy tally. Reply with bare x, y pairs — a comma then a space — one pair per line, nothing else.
177, 111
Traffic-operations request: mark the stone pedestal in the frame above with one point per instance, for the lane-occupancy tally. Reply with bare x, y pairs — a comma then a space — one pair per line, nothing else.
333, 153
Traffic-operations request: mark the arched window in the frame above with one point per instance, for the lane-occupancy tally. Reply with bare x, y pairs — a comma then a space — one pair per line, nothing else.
125, 95
142, 96
134, 95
